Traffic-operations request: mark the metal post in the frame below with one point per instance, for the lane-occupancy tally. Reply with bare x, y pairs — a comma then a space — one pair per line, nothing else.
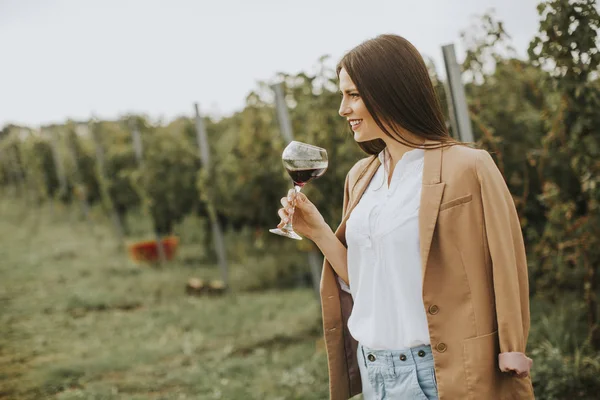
457, 100
282, 113
215, 226
139, 154
58, 165
100, 165
79, 182
10, 173
19, 175
287, 133
201, 137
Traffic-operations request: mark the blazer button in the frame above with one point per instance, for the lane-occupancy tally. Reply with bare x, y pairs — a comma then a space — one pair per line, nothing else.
441, 347
433, 309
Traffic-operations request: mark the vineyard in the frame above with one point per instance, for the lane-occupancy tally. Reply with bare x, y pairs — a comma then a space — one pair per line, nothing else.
76, 196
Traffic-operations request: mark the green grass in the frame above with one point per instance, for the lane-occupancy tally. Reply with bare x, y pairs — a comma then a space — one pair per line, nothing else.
78, 320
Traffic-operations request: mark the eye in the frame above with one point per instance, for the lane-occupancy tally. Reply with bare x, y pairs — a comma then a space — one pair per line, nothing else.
354, 95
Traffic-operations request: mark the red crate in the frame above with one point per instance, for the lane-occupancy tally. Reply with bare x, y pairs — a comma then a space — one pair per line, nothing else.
147, 251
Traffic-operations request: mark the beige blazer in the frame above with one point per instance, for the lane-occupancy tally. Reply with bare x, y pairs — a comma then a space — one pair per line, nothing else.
475, 284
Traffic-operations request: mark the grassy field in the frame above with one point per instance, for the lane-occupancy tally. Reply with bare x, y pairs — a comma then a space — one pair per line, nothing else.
79, 320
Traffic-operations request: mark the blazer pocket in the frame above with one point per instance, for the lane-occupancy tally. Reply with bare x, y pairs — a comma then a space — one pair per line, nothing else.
456, 202
480, 356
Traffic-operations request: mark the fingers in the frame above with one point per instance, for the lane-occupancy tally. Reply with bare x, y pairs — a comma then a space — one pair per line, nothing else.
283, 214
289, 200
284, 221
519, 374
288, 207
292, 196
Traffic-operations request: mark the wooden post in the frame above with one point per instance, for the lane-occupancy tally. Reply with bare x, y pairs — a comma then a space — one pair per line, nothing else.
287, 133
58, 168
45, 195
8, 171
28, 186
58, 165
79, 182
139, 154
19, 176
101, 172
457, 100
217, 233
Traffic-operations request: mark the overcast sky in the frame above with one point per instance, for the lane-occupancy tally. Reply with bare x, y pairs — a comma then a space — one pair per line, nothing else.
64, 59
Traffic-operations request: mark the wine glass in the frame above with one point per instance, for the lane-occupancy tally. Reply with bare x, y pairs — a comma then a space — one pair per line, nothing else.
303, 162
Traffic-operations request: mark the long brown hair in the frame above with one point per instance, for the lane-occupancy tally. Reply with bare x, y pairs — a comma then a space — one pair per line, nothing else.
394, 83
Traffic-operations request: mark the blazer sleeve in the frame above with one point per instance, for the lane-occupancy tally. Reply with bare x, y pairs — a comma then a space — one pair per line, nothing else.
342, 284
507, 250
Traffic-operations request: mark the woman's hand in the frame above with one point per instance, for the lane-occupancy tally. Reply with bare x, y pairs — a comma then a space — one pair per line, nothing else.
515, 363
306, 218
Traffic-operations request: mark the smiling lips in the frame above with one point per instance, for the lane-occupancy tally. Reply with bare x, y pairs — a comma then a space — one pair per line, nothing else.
355, 123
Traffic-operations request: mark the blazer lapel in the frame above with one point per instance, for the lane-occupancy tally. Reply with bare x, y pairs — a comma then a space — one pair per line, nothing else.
431, 197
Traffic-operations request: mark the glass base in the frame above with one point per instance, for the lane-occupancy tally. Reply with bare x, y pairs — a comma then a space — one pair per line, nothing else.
290, 234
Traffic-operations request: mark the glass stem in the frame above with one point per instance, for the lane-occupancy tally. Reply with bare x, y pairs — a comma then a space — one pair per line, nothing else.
288, 226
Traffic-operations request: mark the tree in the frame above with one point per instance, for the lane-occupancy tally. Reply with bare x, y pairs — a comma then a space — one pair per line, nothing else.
569, 248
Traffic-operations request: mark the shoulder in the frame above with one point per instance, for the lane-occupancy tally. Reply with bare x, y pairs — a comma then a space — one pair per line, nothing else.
465, 166
466, 159
460, 153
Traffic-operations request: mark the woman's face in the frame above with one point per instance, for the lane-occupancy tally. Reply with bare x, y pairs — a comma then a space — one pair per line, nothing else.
353, 109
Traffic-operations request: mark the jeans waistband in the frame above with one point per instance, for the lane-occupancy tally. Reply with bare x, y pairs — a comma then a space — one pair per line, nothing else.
418, 356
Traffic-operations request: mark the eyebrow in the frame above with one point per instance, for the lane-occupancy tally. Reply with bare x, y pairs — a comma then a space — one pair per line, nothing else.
348, 90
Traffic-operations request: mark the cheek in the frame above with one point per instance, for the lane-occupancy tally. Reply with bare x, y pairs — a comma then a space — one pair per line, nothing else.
364, 114
360, 107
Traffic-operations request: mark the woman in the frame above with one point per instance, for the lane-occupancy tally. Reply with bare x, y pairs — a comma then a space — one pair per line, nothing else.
424, 287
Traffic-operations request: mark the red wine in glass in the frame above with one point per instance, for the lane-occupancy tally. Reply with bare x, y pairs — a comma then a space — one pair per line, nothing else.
303, 162
301, 177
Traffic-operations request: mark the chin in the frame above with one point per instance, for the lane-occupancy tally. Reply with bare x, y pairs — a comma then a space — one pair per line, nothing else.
361, 137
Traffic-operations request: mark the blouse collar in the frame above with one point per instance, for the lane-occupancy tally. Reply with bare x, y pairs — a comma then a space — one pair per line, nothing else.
409, 156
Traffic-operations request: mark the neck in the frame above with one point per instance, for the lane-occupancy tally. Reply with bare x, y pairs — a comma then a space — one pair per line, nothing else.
396, 150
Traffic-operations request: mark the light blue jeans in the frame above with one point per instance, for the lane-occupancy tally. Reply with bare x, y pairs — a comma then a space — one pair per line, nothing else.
406, 374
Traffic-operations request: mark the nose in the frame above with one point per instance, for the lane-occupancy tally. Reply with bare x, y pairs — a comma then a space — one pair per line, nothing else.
344, 109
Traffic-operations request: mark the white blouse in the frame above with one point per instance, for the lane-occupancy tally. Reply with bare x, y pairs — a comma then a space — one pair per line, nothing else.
384, 261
